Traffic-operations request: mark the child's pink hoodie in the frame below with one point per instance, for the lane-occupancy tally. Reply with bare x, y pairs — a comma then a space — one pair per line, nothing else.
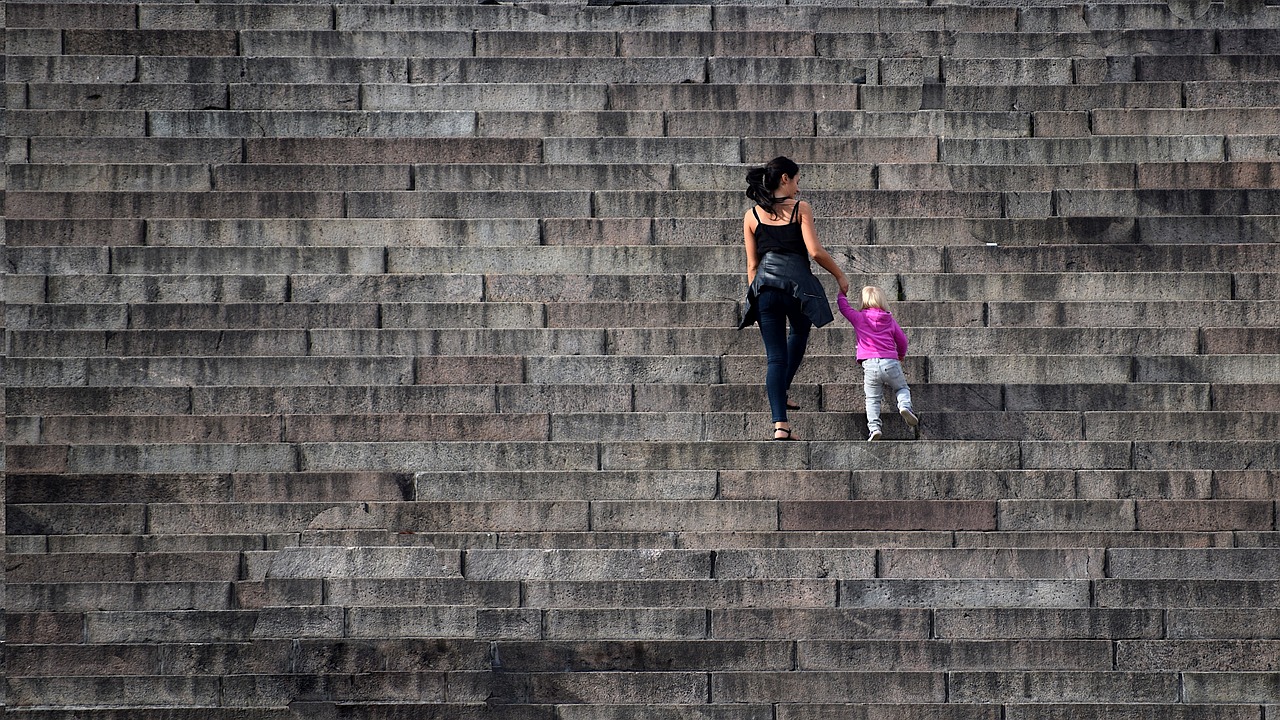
879, 335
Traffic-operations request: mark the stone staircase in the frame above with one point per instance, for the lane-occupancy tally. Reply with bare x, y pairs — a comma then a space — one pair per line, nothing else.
377, 361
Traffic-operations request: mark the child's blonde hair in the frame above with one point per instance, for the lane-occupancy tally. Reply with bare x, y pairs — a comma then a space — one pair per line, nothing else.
873, 297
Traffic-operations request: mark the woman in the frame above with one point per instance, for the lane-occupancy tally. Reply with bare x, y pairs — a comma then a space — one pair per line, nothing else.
780, 238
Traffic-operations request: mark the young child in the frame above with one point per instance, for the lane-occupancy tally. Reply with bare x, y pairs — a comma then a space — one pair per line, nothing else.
881, 347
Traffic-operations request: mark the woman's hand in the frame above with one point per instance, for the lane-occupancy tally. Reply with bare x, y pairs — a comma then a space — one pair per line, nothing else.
844, 284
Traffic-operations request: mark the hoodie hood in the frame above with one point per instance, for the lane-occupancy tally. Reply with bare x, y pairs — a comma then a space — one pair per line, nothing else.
878, 319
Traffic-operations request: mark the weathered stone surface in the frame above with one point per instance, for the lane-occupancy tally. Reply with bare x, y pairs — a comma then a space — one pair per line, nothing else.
829, 686
964, 593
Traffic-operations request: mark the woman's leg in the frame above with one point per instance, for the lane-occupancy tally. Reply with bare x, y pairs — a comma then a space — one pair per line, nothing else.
798, 341
773, 330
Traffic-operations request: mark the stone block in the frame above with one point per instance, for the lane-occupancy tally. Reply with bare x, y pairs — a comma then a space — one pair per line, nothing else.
713, 594
1232, 687
1220, 592
1205, 624
604, 398
556, 70
42, 628
641, 150
500, 123
1245, 484
1221, 563
1016, 563
316, 123
390, 150
1170, 484
411, 622
1246, 68
306, 69
418, 593
664, 515
71, 69
564, 176
1038, 515
1228, 93
149, 42
710, 96
57, 260
953, 655
1202, 655
790, 70
128, 567
719, 43
603, 687
1057, 151
641, 656
565, 19
786, 563
902, 485
297, 97
546, 44
134, 150
179, 178
625, 624
256, 691
33, 41
69, 15
1115, 397
169, 626
235, 17
789, 624
172, 316
1224, 455
489, 516
320, 399
587, 564
439, 427
1049, 686
131, 96
1060, 124
1206, 515
155, 691
448, 456
117, 595
827, 686
453, 342
430, 204
23, 233
175, 204
743, 123
887, 514
1086, 455
690, 314
330, 43
1063, 623
173, 371
874, 711
212, 457
386, 288
1003, 177
311, 177
61, 519
621, 369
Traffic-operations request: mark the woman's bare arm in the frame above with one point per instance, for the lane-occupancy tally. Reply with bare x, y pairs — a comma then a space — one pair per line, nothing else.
749, 240
816, 251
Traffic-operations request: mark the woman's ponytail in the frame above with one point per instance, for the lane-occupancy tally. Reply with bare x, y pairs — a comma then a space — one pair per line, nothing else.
763, 181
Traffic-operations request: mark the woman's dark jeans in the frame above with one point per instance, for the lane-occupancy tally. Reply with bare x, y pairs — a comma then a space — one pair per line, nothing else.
776, 307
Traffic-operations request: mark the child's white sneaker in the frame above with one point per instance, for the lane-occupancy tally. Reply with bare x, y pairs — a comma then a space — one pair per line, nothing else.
911, 418
874, 436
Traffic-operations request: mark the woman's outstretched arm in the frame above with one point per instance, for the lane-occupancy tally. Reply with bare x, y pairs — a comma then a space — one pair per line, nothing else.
816, 251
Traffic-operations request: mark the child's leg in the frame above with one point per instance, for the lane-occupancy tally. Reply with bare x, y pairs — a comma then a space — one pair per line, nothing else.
873, 387
895, 378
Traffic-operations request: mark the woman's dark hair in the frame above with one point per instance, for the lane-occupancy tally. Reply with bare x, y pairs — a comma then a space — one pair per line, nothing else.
763, 181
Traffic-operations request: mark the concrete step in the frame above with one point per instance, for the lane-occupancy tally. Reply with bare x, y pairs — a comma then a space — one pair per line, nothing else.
1152, 232
556, 341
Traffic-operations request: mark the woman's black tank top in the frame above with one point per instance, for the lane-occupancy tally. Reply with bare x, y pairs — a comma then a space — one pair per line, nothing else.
780, 238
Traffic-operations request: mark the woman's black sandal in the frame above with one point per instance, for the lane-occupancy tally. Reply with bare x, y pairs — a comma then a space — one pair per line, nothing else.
792, 406
785, 430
